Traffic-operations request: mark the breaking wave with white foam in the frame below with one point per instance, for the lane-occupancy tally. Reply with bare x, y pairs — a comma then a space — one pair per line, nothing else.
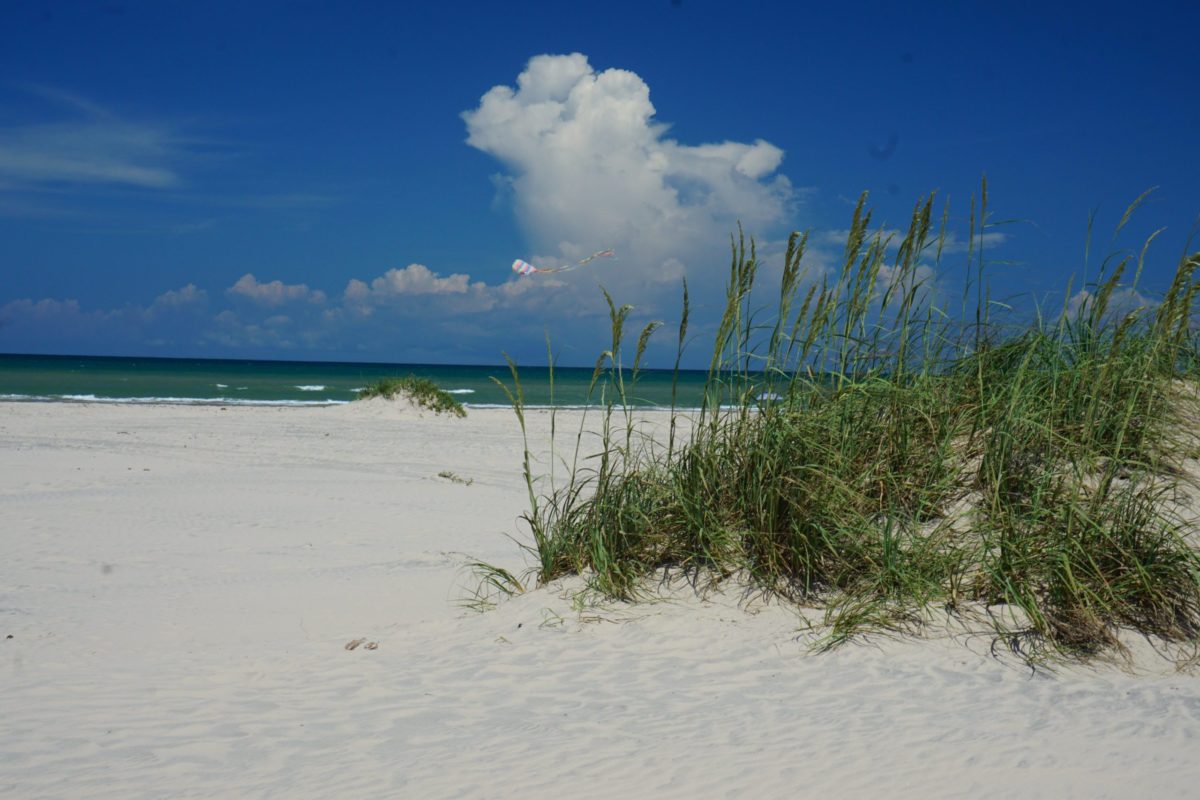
170, 401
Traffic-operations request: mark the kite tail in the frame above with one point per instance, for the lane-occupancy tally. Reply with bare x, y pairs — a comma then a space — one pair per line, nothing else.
599, 254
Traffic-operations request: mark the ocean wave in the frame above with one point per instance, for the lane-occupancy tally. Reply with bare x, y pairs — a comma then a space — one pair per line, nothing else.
168, 401
460, 391
234, 401
25, 397
312, 387
222, 385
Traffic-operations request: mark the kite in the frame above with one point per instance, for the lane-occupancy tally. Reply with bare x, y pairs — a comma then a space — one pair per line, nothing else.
525, 268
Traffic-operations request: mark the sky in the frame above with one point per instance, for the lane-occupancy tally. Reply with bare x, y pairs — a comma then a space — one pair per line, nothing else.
351, 181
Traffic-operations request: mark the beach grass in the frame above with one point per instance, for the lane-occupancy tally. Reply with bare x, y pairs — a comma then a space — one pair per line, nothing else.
421, 391
868, 453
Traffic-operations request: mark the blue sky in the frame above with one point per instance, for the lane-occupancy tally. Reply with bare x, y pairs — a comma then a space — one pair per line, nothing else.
351, 181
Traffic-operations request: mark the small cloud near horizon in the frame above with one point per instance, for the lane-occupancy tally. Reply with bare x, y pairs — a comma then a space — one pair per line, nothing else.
273, 293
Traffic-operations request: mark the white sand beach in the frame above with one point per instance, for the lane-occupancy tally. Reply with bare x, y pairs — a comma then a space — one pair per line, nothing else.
179, 583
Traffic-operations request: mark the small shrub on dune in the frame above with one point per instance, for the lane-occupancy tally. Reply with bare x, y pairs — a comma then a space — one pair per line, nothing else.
421, 391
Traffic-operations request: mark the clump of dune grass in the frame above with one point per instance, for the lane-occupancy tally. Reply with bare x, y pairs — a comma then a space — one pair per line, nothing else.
492, 584
871, 452
421, 391
454, 477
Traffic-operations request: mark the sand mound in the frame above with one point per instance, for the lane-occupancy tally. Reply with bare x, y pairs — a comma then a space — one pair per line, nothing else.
382, 407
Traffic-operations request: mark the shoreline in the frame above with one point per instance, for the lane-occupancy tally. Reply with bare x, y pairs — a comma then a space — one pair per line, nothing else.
181, 585
204, 401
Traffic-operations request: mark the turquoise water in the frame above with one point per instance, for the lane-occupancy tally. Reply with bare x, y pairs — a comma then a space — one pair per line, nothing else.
187, 380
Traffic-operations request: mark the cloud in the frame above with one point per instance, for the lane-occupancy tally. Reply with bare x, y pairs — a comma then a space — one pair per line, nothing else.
45, 309
229, 330
400, 314
86, 152
185, 298
274, 293
454, 293
92, 146
412, 280
1121, 303
51, 325
590, 168
66, 148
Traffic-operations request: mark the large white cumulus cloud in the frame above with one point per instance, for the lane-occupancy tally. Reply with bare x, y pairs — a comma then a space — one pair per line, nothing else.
590, 168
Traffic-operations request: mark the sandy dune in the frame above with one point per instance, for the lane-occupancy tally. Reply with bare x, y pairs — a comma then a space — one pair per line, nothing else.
180, 583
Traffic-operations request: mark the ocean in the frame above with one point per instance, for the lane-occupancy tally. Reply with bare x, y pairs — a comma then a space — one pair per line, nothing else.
299, 383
